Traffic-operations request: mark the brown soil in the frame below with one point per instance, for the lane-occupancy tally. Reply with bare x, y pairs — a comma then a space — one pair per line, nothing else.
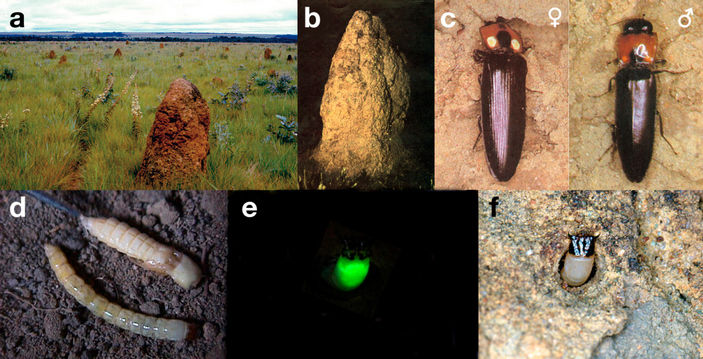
41, 320
544, 161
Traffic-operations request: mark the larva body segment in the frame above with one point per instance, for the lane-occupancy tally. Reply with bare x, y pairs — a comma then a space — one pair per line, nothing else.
154, 255
159, 328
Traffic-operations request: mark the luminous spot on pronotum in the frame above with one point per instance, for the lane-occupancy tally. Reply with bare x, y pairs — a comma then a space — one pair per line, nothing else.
641, 51
491, 41
350, 273
515, 44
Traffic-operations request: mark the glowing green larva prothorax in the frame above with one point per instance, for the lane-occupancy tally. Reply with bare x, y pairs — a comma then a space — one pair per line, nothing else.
350, 273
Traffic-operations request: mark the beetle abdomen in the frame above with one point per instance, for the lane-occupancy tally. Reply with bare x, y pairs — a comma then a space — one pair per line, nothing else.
503, 111
635, 108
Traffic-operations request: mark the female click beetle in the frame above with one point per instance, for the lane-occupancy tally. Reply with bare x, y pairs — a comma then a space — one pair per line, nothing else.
502, 97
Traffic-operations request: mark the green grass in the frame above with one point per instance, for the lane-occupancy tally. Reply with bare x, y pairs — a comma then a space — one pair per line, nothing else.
40, 146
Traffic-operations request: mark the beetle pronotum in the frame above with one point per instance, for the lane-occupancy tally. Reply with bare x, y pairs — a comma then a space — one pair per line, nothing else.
159, 328
153, 255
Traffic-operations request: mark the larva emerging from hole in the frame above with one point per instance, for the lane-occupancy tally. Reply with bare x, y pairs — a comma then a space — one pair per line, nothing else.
152, 254
159, 328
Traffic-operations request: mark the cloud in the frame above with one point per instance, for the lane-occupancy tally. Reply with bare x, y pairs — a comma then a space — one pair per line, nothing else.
233, 16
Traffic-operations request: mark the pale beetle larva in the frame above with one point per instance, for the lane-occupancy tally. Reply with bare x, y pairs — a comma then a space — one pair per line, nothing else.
153, 255
578, 261
153, 327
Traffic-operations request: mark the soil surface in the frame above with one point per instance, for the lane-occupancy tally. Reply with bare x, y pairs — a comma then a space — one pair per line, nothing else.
41, 320
544, 161
644, 299
594, 27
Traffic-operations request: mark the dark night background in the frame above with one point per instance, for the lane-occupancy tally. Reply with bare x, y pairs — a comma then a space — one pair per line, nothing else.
410, 24
428, 305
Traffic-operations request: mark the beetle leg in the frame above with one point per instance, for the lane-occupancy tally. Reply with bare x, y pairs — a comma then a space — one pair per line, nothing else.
613, 145
479, 56
610, 88
671, 72
480, 131
661, 131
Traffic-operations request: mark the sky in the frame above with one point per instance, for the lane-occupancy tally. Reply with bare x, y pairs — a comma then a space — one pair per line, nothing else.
233, 16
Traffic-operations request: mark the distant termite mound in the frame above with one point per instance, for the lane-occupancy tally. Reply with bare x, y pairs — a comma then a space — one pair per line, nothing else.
118, 53
177, 145
267, 53
161, 46
62, 60
52, 54
217, 81
126, 42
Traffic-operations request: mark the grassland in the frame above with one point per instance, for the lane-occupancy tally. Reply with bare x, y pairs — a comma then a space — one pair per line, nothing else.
50, 138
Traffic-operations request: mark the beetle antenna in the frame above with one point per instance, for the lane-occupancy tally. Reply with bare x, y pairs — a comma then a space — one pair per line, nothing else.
53, 203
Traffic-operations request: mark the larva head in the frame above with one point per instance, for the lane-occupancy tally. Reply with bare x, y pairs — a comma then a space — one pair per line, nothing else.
49, 250
192, 331
637, 44
186, 273
582, 245
89, 223
499, 37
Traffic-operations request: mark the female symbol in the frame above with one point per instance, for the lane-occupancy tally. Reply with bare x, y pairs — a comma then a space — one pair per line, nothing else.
555, 18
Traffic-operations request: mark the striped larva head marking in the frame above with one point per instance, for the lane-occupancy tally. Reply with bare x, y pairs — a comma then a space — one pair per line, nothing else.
577, 264
582, 245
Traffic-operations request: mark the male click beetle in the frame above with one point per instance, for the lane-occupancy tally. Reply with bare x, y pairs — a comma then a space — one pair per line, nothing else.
636, 98
502, 97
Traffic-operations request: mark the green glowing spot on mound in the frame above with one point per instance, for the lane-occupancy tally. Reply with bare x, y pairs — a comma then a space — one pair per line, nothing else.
350, 273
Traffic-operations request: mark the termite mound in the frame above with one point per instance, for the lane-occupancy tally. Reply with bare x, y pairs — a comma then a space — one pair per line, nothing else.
177, 145
364, 106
